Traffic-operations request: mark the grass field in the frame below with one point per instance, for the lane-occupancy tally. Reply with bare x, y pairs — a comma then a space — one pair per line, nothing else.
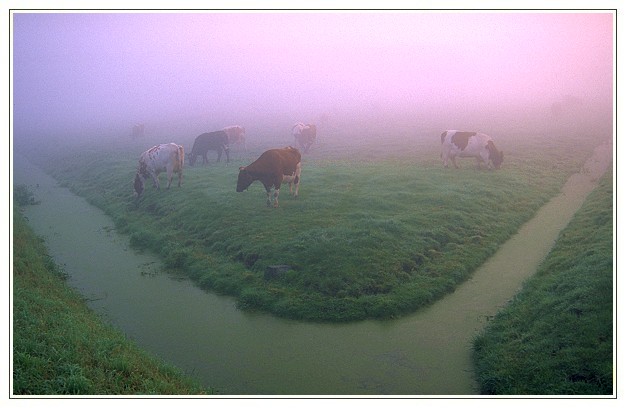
556, 336
62, 347
379, 230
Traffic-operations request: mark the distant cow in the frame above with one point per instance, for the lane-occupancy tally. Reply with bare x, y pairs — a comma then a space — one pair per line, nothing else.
236, 135
469, 144
272, 168
304, 135
168, 157
217, 141
138, 130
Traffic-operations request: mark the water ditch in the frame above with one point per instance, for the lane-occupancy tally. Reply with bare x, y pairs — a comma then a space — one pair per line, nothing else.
427, 353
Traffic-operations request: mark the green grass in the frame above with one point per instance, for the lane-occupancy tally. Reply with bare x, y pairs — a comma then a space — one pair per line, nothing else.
61, 347
556, 336
378, 231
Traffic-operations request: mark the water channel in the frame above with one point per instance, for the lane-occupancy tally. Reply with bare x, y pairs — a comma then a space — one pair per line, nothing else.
237, 353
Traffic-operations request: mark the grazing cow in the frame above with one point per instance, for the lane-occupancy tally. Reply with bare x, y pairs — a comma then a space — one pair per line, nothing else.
236, 135
272, 168
469, 144
168, 157
304, 135
217, 141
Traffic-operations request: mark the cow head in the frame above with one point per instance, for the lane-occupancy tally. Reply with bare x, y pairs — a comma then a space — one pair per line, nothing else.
139, 185
244, 180
191, 159
496, 156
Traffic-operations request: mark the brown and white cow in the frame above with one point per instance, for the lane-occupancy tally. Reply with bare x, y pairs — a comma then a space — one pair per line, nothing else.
304, 135
168, 157
272, 168
236, 135
469, 144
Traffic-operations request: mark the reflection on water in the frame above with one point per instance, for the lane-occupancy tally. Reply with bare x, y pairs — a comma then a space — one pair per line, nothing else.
238, 353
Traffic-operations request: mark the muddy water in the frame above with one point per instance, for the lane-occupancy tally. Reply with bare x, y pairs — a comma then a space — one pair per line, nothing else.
427, 353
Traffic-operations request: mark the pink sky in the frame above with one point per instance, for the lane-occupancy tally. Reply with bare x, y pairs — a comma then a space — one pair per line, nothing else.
119, 67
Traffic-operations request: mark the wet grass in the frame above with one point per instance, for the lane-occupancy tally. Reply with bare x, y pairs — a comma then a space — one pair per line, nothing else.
556, 336
61, 347
378, 231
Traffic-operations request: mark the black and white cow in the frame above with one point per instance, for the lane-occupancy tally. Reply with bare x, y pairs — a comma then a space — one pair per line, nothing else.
470, 144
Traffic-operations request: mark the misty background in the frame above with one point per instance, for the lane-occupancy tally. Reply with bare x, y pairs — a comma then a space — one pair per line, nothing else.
95, 75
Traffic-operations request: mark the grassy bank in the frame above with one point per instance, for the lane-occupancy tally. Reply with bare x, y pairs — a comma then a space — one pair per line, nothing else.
556, 336
61, 347
378, 231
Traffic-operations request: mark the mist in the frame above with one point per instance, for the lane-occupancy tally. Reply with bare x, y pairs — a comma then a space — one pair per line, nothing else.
86, 75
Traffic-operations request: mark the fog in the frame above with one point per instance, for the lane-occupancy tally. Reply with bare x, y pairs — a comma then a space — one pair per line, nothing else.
97, 74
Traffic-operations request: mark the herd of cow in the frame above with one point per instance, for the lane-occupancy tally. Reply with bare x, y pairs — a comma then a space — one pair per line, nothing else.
277, 166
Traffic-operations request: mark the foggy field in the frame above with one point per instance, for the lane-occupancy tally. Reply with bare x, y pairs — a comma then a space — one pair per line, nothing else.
379, 230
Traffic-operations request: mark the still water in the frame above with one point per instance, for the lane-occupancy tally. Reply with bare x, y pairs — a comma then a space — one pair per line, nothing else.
237, 353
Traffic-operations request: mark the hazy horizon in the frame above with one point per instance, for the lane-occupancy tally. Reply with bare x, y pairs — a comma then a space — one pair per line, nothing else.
78, 72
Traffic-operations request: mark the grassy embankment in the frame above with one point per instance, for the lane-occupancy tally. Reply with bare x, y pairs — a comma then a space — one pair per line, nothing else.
62, 347
556, 336
378, 230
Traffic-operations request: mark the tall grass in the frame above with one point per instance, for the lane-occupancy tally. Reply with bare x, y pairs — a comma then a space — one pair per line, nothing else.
378, 231
556, 336
61, 347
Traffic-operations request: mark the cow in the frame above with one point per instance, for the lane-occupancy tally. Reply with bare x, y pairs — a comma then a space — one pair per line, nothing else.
304, 135
469, 144
138, 130
236, 135
168, 157
272, 168
217, 141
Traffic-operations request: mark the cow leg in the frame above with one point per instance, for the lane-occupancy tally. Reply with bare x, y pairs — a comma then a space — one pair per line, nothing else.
296, 184
485, 158
170, 176
155, 180
445, 156
276, 193
269, 192
454, 162
296, 179
478, 160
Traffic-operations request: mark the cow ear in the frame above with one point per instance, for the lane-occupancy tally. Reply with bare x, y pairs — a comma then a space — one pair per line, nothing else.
242, 168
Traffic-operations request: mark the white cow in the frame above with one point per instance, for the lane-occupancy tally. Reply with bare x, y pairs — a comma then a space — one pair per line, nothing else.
304, 135
138, 130
236, 135
469, 144
168, 157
